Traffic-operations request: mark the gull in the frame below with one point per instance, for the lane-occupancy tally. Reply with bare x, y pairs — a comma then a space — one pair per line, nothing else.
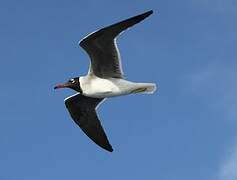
105, 79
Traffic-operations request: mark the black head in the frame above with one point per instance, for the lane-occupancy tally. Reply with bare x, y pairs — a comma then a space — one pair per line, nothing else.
73, 83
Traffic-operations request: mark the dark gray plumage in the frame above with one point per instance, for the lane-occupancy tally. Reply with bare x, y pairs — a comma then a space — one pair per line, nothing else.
102, 48
83, 111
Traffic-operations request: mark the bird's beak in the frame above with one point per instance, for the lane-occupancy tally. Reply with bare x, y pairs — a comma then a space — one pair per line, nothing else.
59, 86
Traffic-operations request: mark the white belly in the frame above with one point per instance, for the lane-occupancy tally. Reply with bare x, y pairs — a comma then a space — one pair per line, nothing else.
96, 87
93, 86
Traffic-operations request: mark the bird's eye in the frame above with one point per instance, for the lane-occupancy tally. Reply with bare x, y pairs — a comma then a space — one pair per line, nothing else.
72, 81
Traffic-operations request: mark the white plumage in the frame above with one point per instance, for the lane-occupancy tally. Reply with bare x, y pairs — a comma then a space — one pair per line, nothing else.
93, 86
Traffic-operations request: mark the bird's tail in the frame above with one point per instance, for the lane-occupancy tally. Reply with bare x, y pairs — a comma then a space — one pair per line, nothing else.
147, 88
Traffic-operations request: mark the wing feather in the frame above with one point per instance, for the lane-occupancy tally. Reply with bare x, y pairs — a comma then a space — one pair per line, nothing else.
83, 111
102, 48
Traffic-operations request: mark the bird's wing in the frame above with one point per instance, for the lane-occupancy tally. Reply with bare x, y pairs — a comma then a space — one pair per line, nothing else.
102, 48
83, 111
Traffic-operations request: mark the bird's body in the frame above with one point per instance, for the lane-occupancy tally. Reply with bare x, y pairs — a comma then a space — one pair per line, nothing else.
105, 79
96, 87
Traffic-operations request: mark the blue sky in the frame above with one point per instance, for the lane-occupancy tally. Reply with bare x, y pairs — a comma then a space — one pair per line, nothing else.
186, 130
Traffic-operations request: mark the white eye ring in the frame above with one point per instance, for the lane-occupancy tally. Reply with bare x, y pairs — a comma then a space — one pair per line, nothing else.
72, 80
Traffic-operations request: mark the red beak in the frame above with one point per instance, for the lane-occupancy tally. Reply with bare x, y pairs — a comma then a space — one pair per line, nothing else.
59, 86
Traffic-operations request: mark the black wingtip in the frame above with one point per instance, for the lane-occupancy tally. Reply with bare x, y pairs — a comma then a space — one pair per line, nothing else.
142, 16
110, 149
148, 13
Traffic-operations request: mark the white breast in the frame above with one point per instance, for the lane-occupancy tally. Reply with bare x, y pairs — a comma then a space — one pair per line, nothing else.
93, 86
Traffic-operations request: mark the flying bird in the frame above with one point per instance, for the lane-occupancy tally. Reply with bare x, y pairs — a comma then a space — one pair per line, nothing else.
104, 79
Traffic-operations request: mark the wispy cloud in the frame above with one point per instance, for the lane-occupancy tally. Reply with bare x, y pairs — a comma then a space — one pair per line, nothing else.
228, 169
216, 85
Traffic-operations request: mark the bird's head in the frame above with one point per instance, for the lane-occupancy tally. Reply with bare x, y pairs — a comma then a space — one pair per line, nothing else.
73, 83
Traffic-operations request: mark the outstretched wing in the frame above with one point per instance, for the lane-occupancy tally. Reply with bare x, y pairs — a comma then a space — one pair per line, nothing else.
102, 48
83, 111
